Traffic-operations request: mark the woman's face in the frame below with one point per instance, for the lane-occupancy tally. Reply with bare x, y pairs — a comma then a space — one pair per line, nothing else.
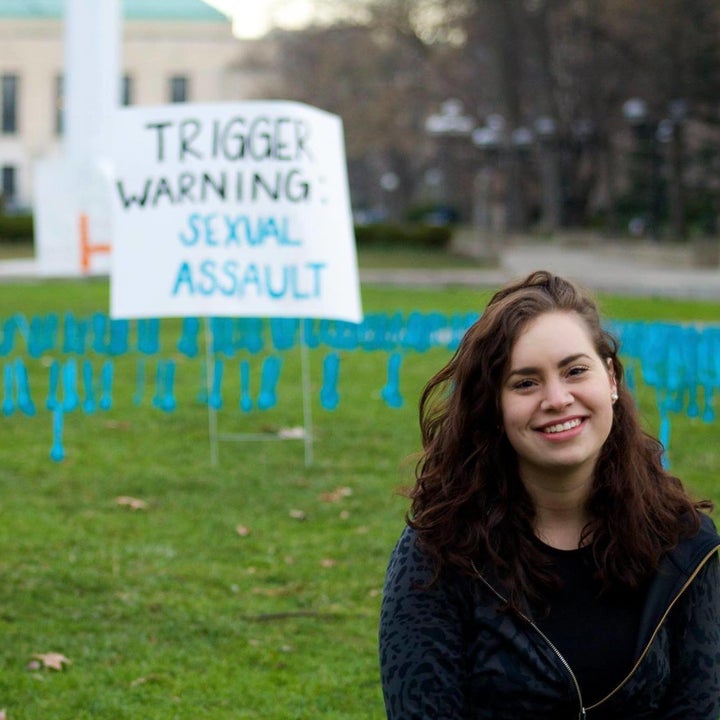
556, 398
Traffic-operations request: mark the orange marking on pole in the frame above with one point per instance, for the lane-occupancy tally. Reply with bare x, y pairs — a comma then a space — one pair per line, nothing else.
87, 250
84, 243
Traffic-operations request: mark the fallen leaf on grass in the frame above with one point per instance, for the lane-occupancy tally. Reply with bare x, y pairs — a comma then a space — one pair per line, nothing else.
292, 433
298, 515
52, 660
115, 425
328, 562
242, 530
131, 502
152, 678
336, 495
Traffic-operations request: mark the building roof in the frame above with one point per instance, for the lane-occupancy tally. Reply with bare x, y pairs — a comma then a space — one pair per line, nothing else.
132, 10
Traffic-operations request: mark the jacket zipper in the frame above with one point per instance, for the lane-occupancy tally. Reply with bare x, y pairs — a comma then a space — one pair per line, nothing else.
565, 663
670, 606
582, 714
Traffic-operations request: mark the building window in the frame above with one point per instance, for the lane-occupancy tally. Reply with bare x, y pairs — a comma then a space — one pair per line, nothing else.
126, 91
178, 88
8, 189
59, 100
9, 101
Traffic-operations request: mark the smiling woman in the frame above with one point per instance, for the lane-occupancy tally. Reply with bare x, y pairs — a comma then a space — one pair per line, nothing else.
550, 568
557, 409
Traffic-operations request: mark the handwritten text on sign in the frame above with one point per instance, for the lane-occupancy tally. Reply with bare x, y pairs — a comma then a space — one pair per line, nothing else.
235, 209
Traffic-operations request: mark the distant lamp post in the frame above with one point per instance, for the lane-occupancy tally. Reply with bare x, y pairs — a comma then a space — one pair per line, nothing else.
489, 205
636, 112
549, 166
489, 186
452, 124
671, 133
389, 183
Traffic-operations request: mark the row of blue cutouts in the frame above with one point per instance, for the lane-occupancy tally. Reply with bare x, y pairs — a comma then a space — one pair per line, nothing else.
73, 385
104, 336
681, 362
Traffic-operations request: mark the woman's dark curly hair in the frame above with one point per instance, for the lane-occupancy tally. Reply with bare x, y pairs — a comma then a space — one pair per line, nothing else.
469, 507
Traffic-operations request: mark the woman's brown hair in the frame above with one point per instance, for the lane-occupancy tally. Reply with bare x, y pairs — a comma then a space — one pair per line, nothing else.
469, 507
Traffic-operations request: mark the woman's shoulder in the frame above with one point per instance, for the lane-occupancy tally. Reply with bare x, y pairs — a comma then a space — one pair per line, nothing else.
693, 550
408, 552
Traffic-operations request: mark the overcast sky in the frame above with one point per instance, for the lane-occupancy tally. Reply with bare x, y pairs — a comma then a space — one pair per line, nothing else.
252, 18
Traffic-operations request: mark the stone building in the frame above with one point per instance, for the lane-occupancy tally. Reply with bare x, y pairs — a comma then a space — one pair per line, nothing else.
172, 51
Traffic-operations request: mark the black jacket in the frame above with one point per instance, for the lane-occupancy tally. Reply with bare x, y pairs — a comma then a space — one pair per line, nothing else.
448, 653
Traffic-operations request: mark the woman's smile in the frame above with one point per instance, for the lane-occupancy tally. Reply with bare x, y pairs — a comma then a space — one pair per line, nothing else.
563, 429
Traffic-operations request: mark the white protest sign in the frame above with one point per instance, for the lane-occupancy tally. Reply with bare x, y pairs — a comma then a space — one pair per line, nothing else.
232, 209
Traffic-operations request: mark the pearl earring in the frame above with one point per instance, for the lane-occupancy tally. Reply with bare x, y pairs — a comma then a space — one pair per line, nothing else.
614, 397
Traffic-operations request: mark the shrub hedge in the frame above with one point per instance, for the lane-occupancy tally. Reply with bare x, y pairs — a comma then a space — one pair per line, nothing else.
19, 228
408, 235
16, 228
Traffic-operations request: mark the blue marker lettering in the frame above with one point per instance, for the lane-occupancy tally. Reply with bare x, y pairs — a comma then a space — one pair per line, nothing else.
272, 292
207, 270
232, 226
184, 277
284, 236
229, 270
252, 277
193, 221
210, 238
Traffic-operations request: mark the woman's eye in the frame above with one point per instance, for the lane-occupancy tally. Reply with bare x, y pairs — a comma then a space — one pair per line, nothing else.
523, 385
578, 370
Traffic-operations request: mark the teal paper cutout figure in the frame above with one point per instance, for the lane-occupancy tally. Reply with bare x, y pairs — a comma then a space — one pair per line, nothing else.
391, 392
168, 398
148, 332
71, 401
329, 397
87, 374
251, 334
75, 334
100, 323
57, 451
164, 386
270, 375
282, 332
8, 337
119, 332
106, 377
215, 399
310, 335
246, 402
22, 383
8, 406
52, 401
188, 343
42, 335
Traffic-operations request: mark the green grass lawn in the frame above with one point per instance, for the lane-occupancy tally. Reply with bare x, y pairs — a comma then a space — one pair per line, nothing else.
249, 589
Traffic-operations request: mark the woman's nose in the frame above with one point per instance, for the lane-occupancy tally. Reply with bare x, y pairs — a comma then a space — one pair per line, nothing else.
557, 396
